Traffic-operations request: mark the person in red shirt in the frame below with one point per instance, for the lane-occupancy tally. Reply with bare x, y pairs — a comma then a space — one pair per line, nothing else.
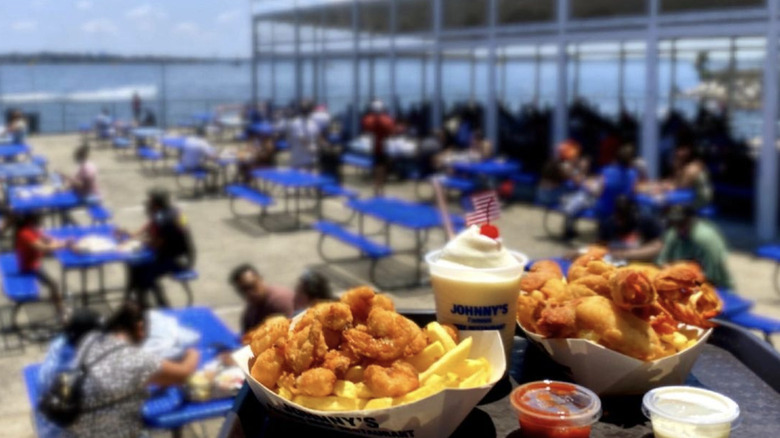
380, 126
262, 300
31, 245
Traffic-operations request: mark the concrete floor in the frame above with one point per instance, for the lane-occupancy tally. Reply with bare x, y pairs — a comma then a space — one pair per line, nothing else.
224, 242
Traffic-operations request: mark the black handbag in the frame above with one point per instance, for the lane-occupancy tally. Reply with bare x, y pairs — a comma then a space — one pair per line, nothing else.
62, 402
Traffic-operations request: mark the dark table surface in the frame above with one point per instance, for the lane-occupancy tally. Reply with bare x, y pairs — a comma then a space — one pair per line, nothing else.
734, 362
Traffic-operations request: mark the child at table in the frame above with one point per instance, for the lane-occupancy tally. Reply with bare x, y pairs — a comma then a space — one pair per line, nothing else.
85, 180
31, 245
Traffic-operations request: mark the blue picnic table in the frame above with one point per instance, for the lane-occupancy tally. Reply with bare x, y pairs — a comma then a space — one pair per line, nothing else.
10, 152
30, 198
261, 128
19, 172
294, 183
169, 408
487, 168
666, 199
419, 218
71, 260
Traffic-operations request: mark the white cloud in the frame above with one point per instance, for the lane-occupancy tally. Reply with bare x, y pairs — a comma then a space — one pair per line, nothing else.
228, 16
145, 12
186, 28
24, 25
100, 25
84, 4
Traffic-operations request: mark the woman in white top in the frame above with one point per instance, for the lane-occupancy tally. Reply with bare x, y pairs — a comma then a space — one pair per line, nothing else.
17, 128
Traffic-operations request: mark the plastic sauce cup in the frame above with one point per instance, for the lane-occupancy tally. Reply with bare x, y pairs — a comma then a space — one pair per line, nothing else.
551, 409
687, 412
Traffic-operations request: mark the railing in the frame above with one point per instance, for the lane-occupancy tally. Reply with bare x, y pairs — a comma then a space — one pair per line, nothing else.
67, 116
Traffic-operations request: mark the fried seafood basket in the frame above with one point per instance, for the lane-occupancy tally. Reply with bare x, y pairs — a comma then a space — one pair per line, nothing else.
731, 361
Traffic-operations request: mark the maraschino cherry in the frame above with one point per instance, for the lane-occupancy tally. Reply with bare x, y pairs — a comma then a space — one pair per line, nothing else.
489, 231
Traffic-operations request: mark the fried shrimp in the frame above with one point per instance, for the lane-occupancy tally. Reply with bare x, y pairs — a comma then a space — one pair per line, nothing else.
398, 379
385, 337
316, 382
268, 366
361, 300
337, 361
271, 330
305, 347
332, 316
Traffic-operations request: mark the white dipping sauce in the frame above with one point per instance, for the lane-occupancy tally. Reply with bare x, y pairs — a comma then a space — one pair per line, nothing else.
687, 412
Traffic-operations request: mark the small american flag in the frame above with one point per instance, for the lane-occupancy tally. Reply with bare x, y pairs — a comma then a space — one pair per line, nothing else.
486, 209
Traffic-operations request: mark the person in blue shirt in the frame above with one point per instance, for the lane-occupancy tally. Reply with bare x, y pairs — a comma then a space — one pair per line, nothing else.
600, 193
60, 357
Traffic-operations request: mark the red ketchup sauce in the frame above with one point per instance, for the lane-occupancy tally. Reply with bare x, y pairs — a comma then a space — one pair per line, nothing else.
549, 409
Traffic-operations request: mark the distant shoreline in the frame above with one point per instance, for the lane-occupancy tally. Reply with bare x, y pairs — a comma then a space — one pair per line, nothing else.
86, 58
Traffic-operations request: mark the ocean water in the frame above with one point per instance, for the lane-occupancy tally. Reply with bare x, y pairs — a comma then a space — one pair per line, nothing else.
65, 96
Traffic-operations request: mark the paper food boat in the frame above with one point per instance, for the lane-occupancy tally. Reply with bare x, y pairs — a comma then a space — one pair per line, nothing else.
435, 416
607, 372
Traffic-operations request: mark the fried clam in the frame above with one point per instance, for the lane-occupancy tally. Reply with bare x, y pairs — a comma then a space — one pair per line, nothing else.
602, 321
631, 289
267, 333
362, 300
590, 285
337, 361
395, 380
579, 266
539, 273
529, 309
555, 290
387, 336
682, 292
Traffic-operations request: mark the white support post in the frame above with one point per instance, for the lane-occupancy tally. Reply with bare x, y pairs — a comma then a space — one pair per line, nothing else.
436, 105
650, 118
537, 75
424, 81
732, 75
765, 197
622, 78
575, 86
298, 61
254, 60
473, 76
492, 97
673, 76
273, 63
561, 120
393, 57
355, 68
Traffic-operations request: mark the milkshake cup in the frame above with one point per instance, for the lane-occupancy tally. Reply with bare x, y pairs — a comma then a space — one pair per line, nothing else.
476, 282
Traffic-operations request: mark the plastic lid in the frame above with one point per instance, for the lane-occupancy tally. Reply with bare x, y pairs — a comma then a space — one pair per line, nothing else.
556, 404
686, 404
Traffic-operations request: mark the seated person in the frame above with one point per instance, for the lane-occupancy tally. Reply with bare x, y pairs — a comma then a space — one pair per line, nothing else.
60, 357
261, 300
312, 288
197, 155
119, 374
31, 244
631, 235
85, 180
166, 233
260, 153
694, 239
17, 128
567, 170
480, 148
601, 193
103, 124
689, 173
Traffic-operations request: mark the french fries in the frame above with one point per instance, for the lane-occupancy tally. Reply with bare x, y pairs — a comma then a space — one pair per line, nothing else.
441, 365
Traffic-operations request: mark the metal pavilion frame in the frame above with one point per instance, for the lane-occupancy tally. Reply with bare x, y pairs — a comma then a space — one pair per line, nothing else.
561, 31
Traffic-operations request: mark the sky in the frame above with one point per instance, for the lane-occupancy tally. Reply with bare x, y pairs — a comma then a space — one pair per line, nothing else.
127, 27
